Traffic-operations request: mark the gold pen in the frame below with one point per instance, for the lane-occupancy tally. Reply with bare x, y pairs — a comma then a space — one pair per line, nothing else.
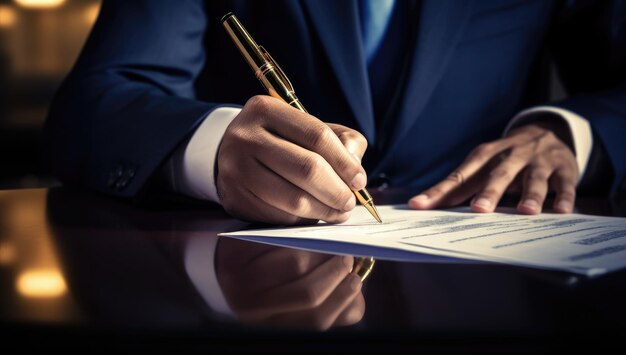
276, 82
278, 85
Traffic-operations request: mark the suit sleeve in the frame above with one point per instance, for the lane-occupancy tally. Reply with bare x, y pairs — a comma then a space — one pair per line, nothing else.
589, 45
130, 99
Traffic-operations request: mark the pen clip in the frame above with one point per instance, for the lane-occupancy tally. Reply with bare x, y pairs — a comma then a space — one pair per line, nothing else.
279, 70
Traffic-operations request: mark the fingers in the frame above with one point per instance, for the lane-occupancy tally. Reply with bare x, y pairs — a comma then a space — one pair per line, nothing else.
274, 155
295, 201
286, 287
498, 181
476, 160
312, 134
564, 184
340, 303
534, 149
278, 267
535, 189
305, 293
308, 171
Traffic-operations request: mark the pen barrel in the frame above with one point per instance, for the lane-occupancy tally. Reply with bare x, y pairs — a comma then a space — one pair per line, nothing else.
267, 71
247, 46
363, 196
272, 81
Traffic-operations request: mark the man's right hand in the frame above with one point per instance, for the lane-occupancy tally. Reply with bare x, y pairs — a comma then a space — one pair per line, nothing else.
279, 165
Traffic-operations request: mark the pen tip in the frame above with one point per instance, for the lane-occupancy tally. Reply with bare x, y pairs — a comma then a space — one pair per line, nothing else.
374, 213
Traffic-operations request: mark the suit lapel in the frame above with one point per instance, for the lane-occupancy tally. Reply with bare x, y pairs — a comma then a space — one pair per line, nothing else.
440, 28
337, 25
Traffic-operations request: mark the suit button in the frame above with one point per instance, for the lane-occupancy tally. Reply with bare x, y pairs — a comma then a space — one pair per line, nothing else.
125, 179
380, 182
114, 176
121, 184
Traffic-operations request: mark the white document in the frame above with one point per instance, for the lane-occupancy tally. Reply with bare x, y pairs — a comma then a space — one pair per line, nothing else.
582, 244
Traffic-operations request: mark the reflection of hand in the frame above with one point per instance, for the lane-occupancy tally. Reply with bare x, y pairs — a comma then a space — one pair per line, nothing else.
279, 165
529, 159
266, 285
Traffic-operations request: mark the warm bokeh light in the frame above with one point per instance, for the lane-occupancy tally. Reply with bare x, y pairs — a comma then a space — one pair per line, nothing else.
7, 16
40, 4
91, 13
44, 283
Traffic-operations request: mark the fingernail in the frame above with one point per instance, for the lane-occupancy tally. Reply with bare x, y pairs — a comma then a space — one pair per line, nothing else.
564, 205
532, 204
350, 205
359, 181
355, 283
482, 203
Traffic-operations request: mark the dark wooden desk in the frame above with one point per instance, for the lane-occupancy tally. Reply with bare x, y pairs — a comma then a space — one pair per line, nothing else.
79, 267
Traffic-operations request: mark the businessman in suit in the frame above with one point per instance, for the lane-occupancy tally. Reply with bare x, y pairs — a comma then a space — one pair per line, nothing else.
157, 76
448, 97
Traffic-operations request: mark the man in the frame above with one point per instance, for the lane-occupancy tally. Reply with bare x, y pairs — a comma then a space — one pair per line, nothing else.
446, 95
152, 71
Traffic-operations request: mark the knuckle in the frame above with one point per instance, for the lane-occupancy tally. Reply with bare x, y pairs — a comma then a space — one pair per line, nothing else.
518, 154
352, 135
311, 165
297, 263
310, 297
298, 204
491, 192
568, 194
537, 175
501, 174
259, 103
534, 195
436, 191
318, 135
456, 177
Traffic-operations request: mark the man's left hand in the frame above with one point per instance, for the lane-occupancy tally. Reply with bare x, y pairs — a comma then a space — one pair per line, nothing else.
531, 159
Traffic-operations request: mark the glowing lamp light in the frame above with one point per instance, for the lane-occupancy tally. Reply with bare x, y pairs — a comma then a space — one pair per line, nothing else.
7, 16
40, 4
41, 283
91, 13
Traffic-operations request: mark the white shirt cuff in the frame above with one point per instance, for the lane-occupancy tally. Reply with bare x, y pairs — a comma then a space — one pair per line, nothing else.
193, 165
200, 266
579, 127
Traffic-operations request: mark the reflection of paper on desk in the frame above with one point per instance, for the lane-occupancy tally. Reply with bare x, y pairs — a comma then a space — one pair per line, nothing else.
582, 244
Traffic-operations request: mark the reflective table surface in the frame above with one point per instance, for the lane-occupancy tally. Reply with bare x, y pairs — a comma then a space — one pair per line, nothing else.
77, 267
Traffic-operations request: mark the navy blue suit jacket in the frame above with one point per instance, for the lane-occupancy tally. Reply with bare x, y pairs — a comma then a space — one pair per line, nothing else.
151, 70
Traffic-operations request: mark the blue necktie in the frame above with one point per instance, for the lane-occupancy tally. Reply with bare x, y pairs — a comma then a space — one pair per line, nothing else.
385, 35
375, 17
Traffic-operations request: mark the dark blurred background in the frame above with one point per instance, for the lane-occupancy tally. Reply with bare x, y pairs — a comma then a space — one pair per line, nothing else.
39, 42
